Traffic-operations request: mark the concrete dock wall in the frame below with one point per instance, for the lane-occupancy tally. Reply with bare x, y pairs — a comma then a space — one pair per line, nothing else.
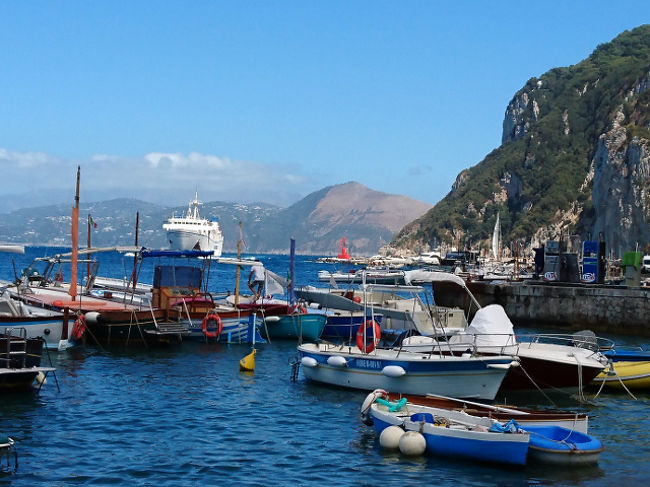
611, 309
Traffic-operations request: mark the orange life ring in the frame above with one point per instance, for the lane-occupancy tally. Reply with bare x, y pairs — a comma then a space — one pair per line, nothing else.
367, 348
204, 325
79, 328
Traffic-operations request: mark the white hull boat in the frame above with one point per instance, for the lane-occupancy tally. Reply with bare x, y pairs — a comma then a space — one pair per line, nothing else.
191, 232
404, 372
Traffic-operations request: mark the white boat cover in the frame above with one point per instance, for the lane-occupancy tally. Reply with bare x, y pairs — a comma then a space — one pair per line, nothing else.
422, 276
490, 327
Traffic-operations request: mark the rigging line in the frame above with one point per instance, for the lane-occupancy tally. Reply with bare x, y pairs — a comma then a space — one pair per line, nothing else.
535, 384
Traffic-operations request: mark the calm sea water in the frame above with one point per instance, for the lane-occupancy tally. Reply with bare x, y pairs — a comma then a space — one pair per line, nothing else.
187, 416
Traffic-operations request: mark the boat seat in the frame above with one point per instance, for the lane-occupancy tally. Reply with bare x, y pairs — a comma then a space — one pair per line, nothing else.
422, 418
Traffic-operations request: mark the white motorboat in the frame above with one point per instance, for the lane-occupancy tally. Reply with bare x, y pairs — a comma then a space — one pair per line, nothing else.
191, 232
371, 368
36, 321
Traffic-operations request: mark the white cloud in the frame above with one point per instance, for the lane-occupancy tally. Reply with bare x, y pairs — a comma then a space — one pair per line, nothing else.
163, 178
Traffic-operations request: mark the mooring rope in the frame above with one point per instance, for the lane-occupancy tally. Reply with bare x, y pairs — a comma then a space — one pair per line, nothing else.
535, 384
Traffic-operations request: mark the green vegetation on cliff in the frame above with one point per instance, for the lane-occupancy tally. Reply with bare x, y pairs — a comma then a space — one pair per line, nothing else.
551, 134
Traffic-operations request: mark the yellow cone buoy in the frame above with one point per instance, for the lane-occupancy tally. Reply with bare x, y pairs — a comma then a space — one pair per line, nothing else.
248, 362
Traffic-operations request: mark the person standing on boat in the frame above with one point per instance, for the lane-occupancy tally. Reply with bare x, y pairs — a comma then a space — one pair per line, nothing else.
256, 279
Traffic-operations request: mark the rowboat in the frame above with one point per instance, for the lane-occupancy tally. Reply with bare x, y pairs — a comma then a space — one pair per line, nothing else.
525, 417
452, 434
456, 433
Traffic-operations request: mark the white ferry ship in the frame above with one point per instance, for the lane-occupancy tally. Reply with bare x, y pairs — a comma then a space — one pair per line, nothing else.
191, 232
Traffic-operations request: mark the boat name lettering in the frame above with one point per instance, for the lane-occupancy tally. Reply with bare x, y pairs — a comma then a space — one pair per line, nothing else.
369, 364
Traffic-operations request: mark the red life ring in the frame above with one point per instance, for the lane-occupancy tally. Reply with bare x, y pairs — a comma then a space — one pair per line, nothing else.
204, 325
377, 335
79, 328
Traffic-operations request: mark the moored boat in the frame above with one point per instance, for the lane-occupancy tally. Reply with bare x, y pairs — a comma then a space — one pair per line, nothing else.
627, 369
460, 434
51, 326
20, 360
405, 372
452, 434
562, 446
302, 326
537, 417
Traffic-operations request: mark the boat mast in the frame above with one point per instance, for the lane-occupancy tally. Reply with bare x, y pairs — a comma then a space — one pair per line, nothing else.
135, 256
238, 270
75, 241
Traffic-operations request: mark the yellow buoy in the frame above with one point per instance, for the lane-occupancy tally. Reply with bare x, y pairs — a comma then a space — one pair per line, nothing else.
248, 362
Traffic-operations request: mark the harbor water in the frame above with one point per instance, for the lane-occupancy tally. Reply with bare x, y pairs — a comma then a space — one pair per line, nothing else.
185, 415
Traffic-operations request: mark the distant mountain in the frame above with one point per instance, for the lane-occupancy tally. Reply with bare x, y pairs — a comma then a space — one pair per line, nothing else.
367, 218
574, 159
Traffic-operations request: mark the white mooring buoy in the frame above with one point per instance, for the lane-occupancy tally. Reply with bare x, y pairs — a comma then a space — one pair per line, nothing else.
390, 437
412, 443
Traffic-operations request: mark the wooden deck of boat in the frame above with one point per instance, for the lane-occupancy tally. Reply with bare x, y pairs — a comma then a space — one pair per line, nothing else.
51, 298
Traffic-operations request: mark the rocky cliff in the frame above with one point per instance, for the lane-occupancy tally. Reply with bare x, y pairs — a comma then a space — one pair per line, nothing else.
574, 160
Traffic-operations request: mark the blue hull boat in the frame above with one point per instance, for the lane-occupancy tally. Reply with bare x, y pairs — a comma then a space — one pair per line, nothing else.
458, 434
450, 436
562, 446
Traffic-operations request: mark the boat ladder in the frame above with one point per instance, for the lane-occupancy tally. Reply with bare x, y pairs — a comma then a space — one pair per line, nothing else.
16, 349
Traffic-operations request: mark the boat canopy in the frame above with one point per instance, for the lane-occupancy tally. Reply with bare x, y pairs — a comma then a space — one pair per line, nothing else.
490, 327
177, 253
421, 276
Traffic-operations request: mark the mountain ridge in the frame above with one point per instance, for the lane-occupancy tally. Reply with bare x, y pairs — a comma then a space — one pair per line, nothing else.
367, 218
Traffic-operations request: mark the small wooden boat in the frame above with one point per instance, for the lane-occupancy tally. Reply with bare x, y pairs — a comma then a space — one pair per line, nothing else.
453, 434
525, 417
457, 433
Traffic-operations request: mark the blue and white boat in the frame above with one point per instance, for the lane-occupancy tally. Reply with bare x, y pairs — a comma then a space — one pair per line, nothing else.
453, 433
461, 435
405, 372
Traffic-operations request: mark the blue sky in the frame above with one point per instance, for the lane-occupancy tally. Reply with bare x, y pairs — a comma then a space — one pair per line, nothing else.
269, 101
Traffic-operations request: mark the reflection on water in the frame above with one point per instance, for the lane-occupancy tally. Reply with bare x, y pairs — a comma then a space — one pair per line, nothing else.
188, 416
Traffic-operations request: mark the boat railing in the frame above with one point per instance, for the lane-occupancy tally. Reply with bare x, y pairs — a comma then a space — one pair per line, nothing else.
587, 341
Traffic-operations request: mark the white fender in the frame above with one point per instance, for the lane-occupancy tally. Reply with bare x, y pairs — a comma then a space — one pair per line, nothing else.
390, 437
272, 319
92, 317
393, 371
372, 397
310, 362
412, 443
337, 361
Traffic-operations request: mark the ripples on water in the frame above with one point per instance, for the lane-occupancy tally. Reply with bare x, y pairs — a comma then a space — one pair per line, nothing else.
188, 416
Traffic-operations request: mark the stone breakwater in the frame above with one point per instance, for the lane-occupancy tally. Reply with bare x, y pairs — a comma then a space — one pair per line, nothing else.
611, 309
